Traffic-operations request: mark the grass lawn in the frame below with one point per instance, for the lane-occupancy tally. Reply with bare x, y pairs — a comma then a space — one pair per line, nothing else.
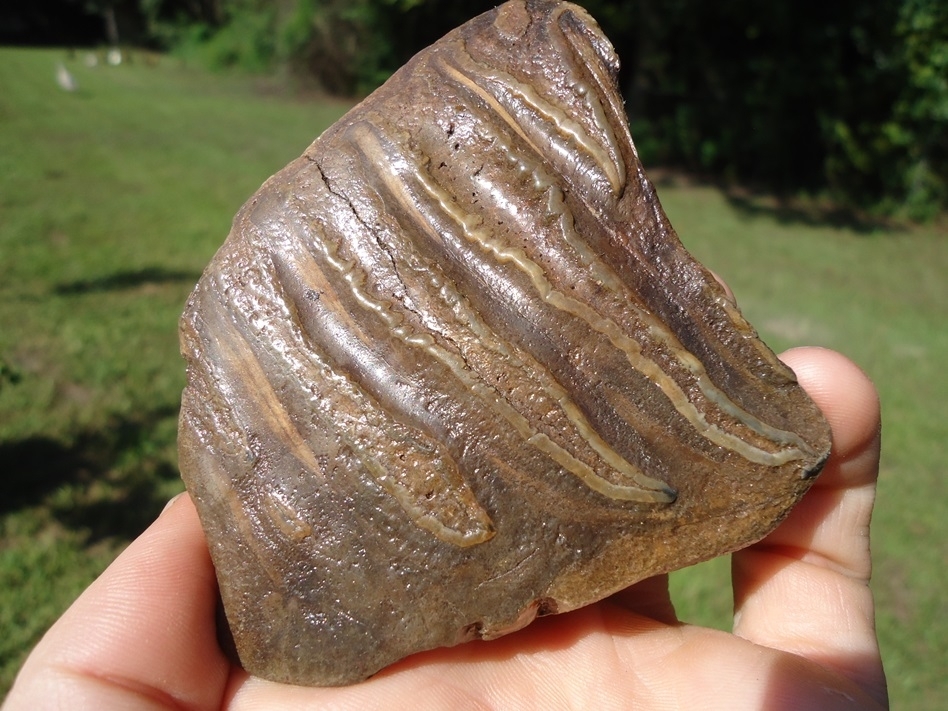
112, 200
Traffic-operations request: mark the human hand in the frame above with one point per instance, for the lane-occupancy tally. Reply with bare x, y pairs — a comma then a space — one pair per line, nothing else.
144, 636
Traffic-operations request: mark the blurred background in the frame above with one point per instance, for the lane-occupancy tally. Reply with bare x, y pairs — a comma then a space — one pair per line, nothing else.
801, 151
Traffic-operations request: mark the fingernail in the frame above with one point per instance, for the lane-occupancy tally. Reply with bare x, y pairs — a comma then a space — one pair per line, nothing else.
170, 502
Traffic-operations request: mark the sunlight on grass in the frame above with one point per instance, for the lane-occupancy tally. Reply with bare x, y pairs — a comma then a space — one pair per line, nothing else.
113, 199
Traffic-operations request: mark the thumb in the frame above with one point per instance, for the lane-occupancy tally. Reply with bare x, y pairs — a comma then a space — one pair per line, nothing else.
805, 588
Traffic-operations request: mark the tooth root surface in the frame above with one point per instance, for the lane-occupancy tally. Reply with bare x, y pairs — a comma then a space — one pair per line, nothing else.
453, 369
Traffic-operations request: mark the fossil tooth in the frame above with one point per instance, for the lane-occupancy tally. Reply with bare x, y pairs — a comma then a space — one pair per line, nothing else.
453, 369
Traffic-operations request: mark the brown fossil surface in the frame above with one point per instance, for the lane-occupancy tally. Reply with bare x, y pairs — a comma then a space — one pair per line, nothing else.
452, 369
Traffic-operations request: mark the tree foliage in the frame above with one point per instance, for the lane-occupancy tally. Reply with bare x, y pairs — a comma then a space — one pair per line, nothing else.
848, 97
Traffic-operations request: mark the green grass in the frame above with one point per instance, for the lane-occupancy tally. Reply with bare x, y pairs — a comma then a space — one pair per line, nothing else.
113, 199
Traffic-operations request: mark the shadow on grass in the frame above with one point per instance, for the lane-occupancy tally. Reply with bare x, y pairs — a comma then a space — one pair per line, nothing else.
109, 482
784, 209
128, 280
806, 213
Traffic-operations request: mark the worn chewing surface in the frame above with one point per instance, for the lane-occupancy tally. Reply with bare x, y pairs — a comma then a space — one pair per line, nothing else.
453, 369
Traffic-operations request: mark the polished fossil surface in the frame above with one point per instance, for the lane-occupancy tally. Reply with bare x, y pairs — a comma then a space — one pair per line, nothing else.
452, 369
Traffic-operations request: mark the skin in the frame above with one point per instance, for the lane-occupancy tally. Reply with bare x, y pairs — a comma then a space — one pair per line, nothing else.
143, 635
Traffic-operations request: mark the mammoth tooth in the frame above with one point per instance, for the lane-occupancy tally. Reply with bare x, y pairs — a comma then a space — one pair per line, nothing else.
453, 369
